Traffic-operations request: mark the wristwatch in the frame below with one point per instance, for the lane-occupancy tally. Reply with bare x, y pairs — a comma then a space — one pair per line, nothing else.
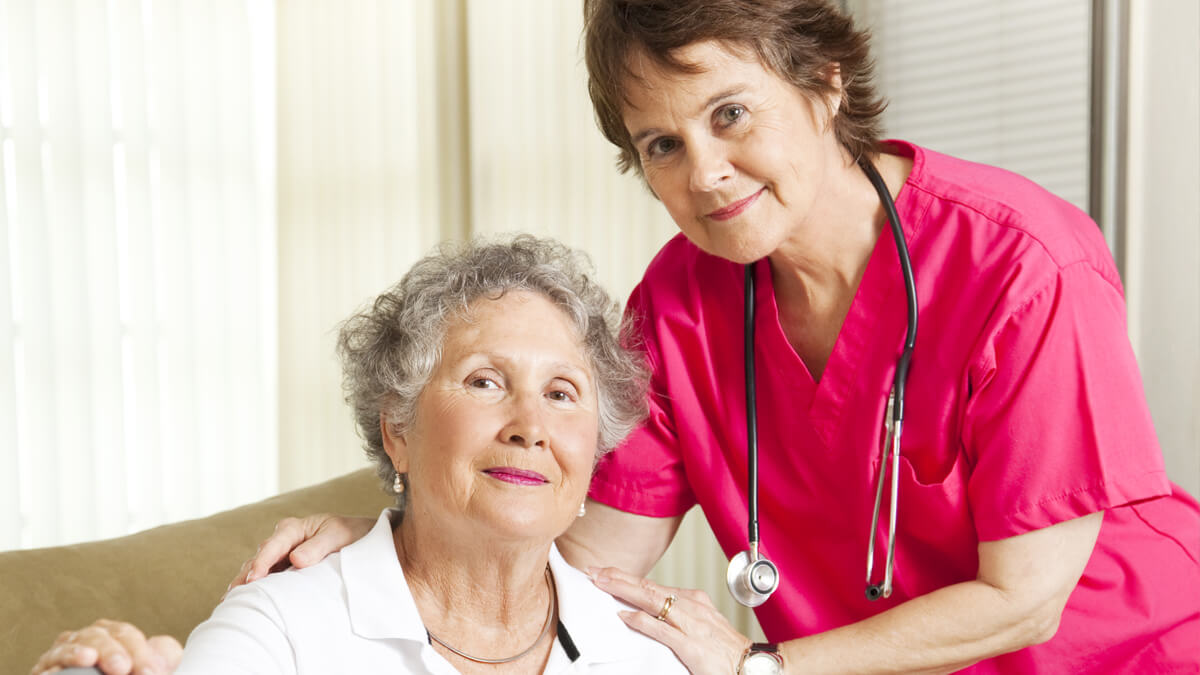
761, 658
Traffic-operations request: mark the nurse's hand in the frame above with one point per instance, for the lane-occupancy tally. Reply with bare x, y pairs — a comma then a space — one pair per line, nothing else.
692, 627
114, 647
300, 542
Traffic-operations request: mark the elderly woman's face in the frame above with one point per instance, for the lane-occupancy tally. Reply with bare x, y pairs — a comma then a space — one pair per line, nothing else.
737, 154
506, 431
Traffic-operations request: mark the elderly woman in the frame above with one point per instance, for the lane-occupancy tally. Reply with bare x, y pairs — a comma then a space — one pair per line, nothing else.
1035, 529
485, 384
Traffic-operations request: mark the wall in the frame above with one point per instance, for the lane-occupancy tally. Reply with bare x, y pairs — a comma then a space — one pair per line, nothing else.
358, 181
1162, 266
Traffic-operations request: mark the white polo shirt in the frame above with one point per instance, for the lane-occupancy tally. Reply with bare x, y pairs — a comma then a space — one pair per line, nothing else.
354, 613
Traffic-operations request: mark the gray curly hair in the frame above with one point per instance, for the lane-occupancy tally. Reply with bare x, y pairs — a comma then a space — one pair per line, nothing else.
390, 350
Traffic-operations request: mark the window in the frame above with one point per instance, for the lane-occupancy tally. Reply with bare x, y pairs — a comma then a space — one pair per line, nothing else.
137, 273
1002, 83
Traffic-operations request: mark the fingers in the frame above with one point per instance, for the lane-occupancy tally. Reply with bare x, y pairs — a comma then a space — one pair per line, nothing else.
683, 619
241, 576
145, 657
641, 593
328, 534
65, 653
168, 649
274, 551
301, 542
115, 647
664, 631
320, 539
120, 645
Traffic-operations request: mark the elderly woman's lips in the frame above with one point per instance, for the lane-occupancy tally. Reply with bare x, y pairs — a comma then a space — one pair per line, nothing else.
735, 208
516, 476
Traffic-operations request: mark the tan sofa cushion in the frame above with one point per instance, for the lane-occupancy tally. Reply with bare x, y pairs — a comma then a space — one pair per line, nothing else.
165, 580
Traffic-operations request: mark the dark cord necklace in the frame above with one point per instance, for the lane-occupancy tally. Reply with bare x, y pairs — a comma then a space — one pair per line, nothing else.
545, 630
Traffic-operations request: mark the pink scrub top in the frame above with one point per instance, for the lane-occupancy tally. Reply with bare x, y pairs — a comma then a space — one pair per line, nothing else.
1024, 409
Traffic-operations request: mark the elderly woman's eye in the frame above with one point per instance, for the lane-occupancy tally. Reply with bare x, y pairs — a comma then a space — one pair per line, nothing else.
564, 394
484, 383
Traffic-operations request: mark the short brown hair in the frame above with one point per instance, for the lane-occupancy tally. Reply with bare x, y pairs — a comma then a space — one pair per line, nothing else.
797, 39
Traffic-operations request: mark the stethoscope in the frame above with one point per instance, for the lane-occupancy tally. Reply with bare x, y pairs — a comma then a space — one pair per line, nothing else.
751, 577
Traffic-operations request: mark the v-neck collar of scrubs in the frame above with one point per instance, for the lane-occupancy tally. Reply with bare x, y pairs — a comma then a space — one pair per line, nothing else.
874, 327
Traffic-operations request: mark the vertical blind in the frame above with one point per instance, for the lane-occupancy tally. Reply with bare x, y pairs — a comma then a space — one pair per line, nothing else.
1002, 83
137, 274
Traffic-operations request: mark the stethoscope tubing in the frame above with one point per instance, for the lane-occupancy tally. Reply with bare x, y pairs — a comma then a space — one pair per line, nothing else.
751, 412
894, 418
910, 285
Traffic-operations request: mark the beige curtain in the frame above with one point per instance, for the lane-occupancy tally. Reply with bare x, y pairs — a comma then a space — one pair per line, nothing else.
137, 264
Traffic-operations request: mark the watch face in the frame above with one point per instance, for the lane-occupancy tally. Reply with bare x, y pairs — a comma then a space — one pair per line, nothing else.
761, 664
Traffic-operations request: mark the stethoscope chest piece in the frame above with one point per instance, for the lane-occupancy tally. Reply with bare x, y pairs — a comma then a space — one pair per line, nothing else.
751, 582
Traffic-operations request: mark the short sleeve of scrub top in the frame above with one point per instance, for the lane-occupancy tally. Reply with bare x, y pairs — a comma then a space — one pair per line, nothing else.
648, 478
1061, 430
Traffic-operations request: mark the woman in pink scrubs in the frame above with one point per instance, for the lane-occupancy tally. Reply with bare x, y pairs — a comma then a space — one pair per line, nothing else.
1037, 530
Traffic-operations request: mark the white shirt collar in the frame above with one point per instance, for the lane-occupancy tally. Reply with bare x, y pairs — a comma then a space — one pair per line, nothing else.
381, 605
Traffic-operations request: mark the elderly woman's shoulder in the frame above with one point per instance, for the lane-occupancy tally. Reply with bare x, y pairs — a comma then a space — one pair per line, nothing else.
591, 617
325, 586
316, 586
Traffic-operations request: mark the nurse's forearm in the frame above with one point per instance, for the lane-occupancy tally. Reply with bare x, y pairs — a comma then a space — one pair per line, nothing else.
1023, 585
608, 537
941, 632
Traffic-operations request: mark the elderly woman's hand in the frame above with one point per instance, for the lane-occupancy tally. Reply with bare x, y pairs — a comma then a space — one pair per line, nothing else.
683, 619
116, 648
300, 542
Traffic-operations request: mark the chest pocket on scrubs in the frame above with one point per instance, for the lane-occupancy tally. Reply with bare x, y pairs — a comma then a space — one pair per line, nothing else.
934, 520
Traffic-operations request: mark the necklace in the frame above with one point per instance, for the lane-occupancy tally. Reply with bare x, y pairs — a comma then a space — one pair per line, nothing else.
536, 642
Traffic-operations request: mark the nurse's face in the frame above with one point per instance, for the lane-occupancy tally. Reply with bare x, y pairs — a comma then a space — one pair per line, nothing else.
506, 430
737, 154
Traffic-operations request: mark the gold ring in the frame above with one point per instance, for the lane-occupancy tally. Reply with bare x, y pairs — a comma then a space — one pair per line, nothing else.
666, 608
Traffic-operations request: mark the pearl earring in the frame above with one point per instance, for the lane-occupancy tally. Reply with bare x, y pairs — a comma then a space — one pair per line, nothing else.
398, 485
582, 509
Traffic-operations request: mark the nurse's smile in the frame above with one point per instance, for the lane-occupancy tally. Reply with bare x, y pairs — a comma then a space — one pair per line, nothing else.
737, 208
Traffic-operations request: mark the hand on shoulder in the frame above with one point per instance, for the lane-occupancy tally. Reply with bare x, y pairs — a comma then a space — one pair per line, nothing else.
114, 648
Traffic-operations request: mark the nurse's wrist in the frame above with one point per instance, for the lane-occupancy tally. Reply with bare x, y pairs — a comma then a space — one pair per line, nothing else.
761, 658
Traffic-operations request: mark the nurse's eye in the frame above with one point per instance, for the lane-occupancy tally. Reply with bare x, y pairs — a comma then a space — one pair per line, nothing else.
662, 146
731, 114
